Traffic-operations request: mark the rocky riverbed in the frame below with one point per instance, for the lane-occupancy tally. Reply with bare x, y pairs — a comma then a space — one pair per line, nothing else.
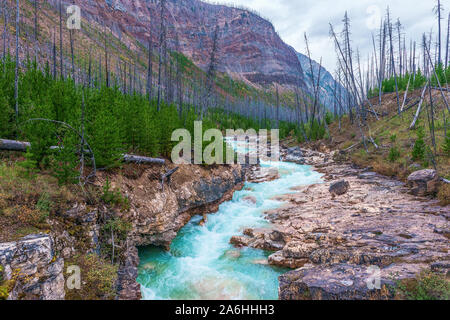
368, 230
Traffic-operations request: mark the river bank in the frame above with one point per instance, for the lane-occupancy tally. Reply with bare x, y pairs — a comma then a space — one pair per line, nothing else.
336, 243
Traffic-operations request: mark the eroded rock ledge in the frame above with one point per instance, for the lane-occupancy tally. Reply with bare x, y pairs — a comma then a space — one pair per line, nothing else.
334, 241
158, 212
34, 266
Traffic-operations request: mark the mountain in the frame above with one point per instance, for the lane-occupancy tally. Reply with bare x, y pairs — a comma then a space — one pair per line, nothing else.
249, 47
327, 83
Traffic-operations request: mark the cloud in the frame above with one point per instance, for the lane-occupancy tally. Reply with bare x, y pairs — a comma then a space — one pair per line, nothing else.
292, 18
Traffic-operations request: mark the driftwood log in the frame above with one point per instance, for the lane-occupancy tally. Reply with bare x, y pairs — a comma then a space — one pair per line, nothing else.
12, 145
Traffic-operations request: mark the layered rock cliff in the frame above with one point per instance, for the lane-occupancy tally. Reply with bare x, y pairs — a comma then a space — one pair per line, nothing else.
249, 48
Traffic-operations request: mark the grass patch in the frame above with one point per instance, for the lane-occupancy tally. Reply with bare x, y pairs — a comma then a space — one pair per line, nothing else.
98, 279
27, 201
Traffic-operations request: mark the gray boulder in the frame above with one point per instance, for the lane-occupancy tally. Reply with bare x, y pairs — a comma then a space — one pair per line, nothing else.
423, 182
294, 155
339, 188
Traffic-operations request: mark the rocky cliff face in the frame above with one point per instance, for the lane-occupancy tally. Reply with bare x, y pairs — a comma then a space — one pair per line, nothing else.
159, 211
249, 47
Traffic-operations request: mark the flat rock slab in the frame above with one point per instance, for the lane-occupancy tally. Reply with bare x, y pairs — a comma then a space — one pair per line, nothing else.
342, 282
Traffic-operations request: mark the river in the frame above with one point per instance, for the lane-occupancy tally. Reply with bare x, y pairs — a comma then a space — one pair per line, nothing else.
203, 265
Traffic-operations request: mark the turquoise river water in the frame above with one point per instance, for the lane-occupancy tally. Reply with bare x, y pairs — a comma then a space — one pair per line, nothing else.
203, 265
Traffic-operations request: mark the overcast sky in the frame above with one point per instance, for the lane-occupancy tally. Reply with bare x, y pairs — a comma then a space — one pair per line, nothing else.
292, 18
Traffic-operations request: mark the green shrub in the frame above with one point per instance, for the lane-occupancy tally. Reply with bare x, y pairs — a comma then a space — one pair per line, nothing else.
119, 229
446, 145
64, 160
394, 154
44, 205
418, 153
114, 197
29, 164
426, 286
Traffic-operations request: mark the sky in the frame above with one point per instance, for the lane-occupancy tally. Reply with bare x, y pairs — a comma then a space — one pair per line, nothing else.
292, 18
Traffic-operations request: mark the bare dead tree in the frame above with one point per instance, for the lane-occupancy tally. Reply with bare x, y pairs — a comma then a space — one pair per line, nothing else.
150, 67
375, 59
162, 39
179, 77
36, 12
278, 106
71, 35
54, 55
438, 11
430, 116
427, 52
316, 85
392, 59
106, 59
348, 73
448, 40
211, 74
90, 69
399, 34
61, 41
5, 28
419, 108
16, 81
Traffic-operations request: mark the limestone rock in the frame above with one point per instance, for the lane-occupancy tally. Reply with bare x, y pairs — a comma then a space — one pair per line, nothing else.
240, 241
294, 155
279, 260
31, 264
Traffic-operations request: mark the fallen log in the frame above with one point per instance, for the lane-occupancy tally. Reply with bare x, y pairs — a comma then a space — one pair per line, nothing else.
142, 160
12, 145
20, 146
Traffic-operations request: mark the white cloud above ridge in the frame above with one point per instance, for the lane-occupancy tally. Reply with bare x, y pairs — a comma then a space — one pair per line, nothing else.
292, 18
